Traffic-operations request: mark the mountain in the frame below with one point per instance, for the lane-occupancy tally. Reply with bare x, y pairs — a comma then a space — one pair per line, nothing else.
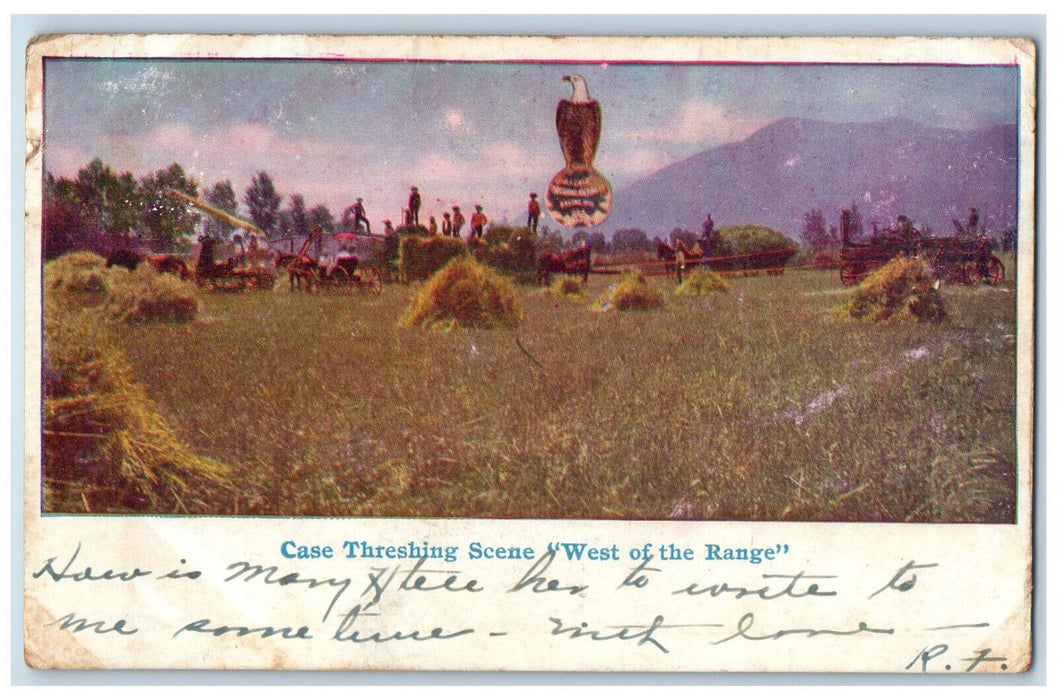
784, 170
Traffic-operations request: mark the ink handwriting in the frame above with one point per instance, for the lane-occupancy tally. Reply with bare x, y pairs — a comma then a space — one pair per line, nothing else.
248, 572
85, 574
540, 584
901, 584
764, 592
346, 633
72, 623
644, 635
417, 579
749, 619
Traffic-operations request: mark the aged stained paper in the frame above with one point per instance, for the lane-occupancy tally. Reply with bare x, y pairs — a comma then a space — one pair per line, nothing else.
272, 448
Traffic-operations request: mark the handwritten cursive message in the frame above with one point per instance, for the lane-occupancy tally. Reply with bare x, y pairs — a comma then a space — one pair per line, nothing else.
660, 603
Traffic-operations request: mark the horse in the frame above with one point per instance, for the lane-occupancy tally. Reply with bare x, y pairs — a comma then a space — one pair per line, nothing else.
666, 254
128, 259
169, 264
162, 263
570, 262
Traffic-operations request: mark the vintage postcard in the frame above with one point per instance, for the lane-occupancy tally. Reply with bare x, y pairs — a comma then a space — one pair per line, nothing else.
530, 353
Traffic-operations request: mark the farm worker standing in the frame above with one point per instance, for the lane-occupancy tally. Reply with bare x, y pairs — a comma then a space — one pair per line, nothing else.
433, 226
359, 214
533, 213
706, 236
477, 222
445, 226
457, 221
389, 228
414, 202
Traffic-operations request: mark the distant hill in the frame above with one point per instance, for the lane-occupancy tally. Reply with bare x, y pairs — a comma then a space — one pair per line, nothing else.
886, 168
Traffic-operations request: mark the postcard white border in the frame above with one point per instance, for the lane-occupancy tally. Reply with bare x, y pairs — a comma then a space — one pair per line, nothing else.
872, 50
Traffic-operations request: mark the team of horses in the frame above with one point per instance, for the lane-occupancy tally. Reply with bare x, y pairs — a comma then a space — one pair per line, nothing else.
167, 264
577, 261
683, 257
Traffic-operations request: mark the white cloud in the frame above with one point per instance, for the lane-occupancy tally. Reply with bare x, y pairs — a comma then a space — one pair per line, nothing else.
700, 123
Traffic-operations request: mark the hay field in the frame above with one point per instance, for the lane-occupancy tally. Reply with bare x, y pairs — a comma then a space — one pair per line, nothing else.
755, 403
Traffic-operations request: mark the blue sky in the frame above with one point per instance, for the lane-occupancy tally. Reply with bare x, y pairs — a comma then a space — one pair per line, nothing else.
464, 133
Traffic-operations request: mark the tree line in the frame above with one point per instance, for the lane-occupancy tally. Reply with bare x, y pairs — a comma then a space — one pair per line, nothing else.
101, 209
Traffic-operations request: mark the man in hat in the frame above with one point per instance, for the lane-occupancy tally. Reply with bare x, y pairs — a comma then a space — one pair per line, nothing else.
533, 213
457, 221
359, 214
414, 202
477, 222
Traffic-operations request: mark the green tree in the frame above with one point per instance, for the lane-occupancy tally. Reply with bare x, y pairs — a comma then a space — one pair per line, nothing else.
113, 196
319, 215
687, 236
814, 230
67, 224
630, 239
263, 203
221, 196
298, 216
165, 218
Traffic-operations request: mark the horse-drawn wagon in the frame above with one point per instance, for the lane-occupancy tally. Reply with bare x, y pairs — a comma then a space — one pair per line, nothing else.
341, 272
966, 259
770, 259
229, 275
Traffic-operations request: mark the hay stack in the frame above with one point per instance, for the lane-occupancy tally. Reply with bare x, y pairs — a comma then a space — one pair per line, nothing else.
633, 292
465, 294
702, 283
902, 289
81, 272
106, 448
421, 257
566, 286
146, 295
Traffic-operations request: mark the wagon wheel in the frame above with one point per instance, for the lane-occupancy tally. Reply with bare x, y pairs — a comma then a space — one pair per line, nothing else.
370, 279
339, 277
975, 272
264, 279
996, 271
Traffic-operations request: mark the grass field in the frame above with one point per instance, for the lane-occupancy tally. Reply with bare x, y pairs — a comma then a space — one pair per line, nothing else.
758, 403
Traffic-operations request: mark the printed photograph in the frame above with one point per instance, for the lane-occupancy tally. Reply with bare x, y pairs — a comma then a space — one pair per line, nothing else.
531, 289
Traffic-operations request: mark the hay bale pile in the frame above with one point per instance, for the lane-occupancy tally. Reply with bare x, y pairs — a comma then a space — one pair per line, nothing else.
145, 295
633, 292
511, 250
80, 272
106, 447
421, 257
903, 289
465, 294
702, 283
566, 286
82, 279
